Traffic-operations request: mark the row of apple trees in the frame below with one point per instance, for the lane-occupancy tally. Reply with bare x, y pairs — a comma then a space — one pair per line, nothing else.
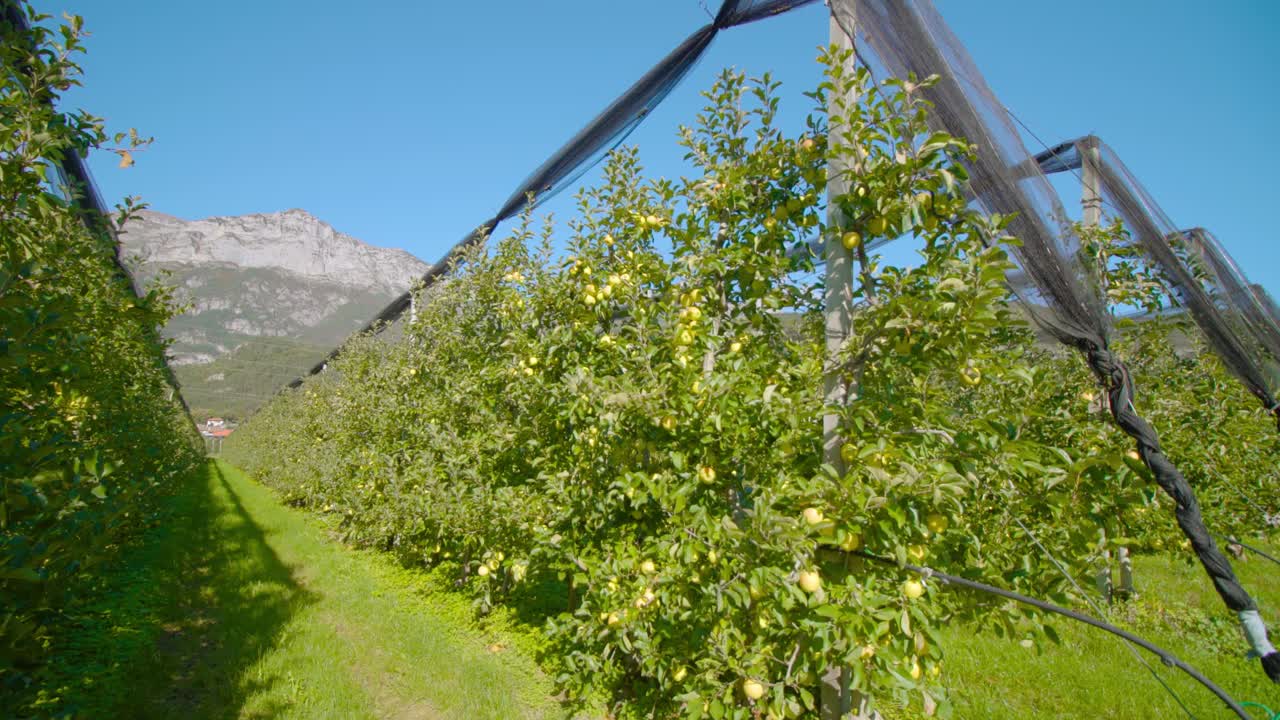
634, 424
90, 436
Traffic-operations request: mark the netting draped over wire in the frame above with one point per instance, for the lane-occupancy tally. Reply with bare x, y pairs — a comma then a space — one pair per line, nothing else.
909, 38
1252, 302
604, 133
1203, 278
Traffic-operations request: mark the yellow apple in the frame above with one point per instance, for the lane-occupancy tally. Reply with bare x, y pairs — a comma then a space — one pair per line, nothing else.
648, 568
752, 689
679, 674
912, 589
812, 515
851, 239
810, 581
936, 522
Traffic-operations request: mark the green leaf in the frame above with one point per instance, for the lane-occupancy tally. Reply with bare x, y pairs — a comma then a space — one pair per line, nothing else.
23, 574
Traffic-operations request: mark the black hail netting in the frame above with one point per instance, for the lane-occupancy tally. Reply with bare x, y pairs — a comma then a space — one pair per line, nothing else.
1233, 322
909, 37
1153, 231
604, 133
1252, 302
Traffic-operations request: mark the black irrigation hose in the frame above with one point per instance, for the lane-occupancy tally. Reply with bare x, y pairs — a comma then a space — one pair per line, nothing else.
1233, 541
1165, 656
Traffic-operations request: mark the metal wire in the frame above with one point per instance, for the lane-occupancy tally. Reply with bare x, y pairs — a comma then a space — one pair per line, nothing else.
1233, 541
1098, 609
1165, 656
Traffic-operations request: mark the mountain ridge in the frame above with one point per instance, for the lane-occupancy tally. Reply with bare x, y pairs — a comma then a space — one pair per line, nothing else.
286, 240
278, 289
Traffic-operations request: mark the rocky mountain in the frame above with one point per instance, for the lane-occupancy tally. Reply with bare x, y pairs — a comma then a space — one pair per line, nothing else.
268, 294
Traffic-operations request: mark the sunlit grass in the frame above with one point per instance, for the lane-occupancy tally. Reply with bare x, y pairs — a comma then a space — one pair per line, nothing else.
244, 608
1093, 675
240, 607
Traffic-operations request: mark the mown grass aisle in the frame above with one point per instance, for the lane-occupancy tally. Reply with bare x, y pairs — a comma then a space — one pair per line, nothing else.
245, 608
235, 606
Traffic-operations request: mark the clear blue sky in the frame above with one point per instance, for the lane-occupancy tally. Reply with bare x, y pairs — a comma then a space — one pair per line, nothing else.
407, 123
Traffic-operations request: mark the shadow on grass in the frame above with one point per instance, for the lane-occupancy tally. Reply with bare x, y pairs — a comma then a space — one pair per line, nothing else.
178, 628
229, 598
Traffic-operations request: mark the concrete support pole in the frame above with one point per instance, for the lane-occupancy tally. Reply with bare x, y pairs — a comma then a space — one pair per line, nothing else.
1103, 578
838, 279
1090, 195
1091, 211
836, 698
1126, 573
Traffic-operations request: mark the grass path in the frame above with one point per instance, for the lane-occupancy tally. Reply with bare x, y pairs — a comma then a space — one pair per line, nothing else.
245, 608
236, 606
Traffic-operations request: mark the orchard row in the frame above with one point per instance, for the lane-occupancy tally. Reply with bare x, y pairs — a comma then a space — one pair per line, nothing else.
625, 436
91, 437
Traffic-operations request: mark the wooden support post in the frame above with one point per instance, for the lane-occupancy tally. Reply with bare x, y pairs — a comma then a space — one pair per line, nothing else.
836, 698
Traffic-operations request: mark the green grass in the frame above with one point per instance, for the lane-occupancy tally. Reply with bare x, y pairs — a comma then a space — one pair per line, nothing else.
1092, 675
239, 607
